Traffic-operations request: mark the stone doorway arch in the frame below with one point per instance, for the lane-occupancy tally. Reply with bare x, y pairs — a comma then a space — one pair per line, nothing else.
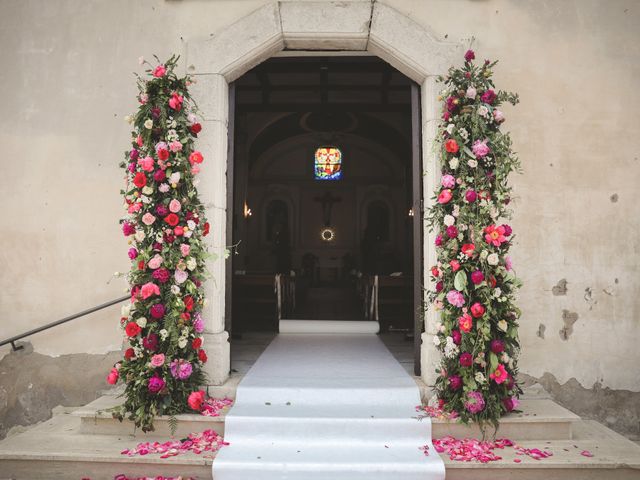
359, 27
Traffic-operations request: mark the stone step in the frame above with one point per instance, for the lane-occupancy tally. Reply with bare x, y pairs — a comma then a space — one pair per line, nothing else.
58, 450
541, 419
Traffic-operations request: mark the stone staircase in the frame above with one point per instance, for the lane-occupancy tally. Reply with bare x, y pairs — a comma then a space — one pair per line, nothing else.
86, 443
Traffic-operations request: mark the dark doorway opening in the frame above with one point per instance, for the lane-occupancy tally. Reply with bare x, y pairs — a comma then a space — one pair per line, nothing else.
324, 193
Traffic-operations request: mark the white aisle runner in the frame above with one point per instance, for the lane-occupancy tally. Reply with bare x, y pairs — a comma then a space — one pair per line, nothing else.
326, 407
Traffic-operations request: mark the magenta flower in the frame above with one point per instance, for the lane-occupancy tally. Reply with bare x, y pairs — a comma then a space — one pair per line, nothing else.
128, 229
155, 384
133, 154
475, 402
477, 277
480, 148
438, 241
455, 298
497, 346
488, 97
469, 55
161, 274
157, 311
198, 322
180, 369
510, 403
150, 342
507, 230
466, 359
452, 231
455, 382
133, 253
457, 337
470, 196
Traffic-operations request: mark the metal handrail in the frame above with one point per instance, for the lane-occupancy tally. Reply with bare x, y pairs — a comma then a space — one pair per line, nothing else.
15, 338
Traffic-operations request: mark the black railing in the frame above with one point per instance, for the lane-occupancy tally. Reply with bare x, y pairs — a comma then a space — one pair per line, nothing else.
15, 338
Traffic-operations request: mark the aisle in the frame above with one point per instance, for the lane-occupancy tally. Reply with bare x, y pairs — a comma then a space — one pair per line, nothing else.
330, 407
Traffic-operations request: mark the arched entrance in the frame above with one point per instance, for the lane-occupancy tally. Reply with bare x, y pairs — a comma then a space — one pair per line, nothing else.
307, 27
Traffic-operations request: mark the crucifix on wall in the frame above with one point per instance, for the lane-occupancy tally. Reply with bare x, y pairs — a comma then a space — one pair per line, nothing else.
327, 200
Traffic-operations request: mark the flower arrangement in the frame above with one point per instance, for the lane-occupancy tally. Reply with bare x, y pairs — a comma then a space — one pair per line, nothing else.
165, 225
474, 280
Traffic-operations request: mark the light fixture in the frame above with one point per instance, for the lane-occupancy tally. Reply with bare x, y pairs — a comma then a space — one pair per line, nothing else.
328, 234
411, 212
247, 211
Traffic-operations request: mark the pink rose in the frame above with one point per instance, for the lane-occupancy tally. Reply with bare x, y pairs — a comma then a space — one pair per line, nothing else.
134, 207
157, 360
174, 206
180, 276
195, 400
480, 148
155, 262
146, 164
184, 249
448, 181
498, 116
112, 378
175, 146
445, 196
149, 289
508, 263
148, 219
471, 93
159, 71
455, 298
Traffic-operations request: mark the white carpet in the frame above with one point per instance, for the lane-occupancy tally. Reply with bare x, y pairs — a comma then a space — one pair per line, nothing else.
326, 407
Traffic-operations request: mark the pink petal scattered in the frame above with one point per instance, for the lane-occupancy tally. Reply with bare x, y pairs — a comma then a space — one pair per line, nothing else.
470, 449
517, 460
436, 412
124, 477
212, 407
586, 453
207, 441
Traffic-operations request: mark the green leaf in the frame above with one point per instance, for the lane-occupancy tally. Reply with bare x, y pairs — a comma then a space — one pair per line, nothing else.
460, 281
493, 361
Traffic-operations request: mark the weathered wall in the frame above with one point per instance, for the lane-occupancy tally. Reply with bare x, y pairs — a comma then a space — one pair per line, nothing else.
67, 83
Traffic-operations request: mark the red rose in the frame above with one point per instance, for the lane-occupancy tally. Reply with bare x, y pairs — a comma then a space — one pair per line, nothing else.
196, 343
205, 229
140, 180
435, 272
163, 154
202, 355
172, 219
196, 399
129, 353
186, 316
188, 302
195, 128
477, 310
132, 329
451, 146
493, 281
468, 249
195, 157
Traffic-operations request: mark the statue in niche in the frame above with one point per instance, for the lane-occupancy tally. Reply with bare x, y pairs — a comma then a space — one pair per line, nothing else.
327, 200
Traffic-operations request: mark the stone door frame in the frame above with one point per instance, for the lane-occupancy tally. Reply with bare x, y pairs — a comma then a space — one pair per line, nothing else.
341, 27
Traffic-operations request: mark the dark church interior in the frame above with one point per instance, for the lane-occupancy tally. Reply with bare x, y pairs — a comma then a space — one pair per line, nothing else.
322, 193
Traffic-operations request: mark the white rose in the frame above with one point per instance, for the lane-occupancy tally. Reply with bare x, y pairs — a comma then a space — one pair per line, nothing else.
128, 119
191, 263
497, 292
188, 233
449, 220
175, 289
493, 259
163, 334
174, 178
453, 163
148, 124
139, 236
450, 128
483, 254
456, 210
182, 342
436, 340
483, 111
145, 199
502, 325
472, 163
191, 224
142, 322
471, 93
147, 190
480, 377
124, 311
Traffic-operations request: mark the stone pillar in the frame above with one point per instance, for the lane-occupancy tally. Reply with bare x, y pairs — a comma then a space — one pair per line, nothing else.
429, 355
211, 94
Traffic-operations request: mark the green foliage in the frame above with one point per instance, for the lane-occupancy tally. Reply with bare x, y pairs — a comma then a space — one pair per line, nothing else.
165, 224
472, 248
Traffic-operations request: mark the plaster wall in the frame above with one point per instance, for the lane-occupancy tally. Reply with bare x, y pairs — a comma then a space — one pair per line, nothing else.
67, 83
